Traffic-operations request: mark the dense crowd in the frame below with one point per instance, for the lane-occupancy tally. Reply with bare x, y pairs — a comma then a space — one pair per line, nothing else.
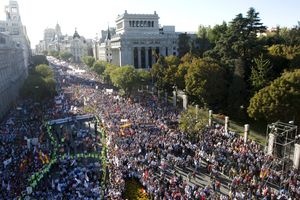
141, 145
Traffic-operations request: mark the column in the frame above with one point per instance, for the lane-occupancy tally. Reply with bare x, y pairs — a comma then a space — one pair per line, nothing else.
271, 142
147, 57
296, 160
163, 51
210, 117
246, 132
185, 101
132, 56
226, 124
139, 58
174, 98
120, 57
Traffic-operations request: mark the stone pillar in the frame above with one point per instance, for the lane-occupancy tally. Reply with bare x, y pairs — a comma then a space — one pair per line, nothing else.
185, 101
174, 98
139, 58
296, 160
271, 141
147, 57
120, 56
246, 132
163, 51
226, 124
197, 110
210, 118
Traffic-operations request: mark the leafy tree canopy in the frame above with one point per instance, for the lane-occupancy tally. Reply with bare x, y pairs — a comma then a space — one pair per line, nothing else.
205, 82
88, 60
125, 77
193, 121
278, 101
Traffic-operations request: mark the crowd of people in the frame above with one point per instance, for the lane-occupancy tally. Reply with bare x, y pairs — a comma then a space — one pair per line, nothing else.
141, 145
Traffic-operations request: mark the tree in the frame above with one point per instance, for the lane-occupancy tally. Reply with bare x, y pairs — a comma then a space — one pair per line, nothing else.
54, 53
109, 68
193, 122
40, 84
237, 91
125, 78
278, 101
65, 55
205, 83
184, 44
182, 70
44, 70
260, 73
39, 59
240, 40
88, 60
99, 67
143, 76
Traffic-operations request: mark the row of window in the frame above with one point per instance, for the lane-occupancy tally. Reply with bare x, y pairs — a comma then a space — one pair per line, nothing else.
141, 23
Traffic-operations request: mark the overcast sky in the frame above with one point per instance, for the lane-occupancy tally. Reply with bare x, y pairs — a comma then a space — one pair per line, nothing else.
92, 16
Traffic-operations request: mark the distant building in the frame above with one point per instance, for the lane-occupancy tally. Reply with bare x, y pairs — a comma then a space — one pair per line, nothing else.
15, 55
138, 41
54, 40
78, 47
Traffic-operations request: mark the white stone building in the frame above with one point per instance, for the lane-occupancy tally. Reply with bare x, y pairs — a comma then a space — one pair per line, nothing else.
13, 26
138, 41
78, 47
15, 54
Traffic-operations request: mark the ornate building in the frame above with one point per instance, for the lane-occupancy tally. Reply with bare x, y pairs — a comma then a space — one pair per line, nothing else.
78, 47
138, 41
15, 56
54, 40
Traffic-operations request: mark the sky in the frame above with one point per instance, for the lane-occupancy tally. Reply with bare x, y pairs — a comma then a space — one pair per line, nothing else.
92, 16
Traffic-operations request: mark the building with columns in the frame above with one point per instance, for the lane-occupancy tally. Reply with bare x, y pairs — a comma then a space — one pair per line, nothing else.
138, 41
15, 54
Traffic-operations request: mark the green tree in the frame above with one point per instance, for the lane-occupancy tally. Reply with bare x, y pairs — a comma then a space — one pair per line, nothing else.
260, 72
182, 70
216, 32
99, 67
54, 53
205, 83
66, 56
237, 91
44, 70
109, 68
164, 72
278, 101
193, 122
40, 84
144, 76
39, 59
88, 60
125, 77
184, 44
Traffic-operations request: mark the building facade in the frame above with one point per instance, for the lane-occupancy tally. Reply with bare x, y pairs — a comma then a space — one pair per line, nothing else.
54, 40
78, 47
138, 41
15, 55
